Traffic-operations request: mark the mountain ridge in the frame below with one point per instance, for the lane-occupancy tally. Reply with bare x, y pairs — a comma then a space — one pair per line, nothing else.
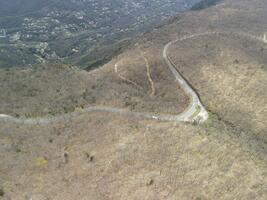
100, 155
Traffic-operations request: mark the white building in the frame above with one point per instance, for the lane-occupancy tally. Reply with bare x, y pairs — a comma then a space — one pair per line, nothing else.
2, 33
15, 37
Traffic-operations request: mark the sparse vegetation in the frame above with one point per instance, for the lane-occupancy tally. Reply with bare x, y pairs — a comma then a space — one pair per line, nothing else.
41, 161
150, 182
2, 193
109, 156
89, 157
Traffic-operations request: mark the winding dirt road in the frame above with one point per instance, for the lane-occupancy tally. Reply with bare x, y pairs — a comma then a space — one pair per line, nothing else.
195, 111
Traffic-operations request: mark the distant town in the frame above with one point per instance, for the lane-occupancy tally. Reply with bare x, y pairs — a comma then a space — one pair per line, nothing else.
53, 32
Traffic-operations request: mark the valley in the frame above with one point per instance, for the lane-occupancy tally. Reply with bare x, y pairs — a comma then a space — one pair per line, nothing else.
83, 33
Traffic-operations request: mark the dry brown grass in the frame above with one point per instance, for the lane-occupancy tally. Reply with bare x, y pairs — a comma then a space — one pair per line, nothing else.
105, 156
131, 160
57, 89
230, 75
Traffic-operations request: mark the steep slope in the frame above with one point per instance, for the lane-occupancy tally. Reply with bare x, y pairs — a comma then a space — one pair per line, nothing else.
107, 156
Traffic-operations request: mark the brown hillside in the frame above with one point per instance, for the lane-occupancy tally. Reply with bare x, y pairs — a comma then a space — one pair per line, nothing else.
104, 156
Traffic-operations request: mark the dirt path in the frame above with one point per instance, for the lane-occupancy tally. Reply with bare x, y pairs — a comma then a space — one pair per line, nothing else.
124, 78
153, 90
195, 111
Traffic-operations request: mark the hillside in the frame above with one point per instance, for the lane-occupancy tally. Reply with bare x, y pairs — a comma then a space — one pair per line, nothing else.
220, 50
